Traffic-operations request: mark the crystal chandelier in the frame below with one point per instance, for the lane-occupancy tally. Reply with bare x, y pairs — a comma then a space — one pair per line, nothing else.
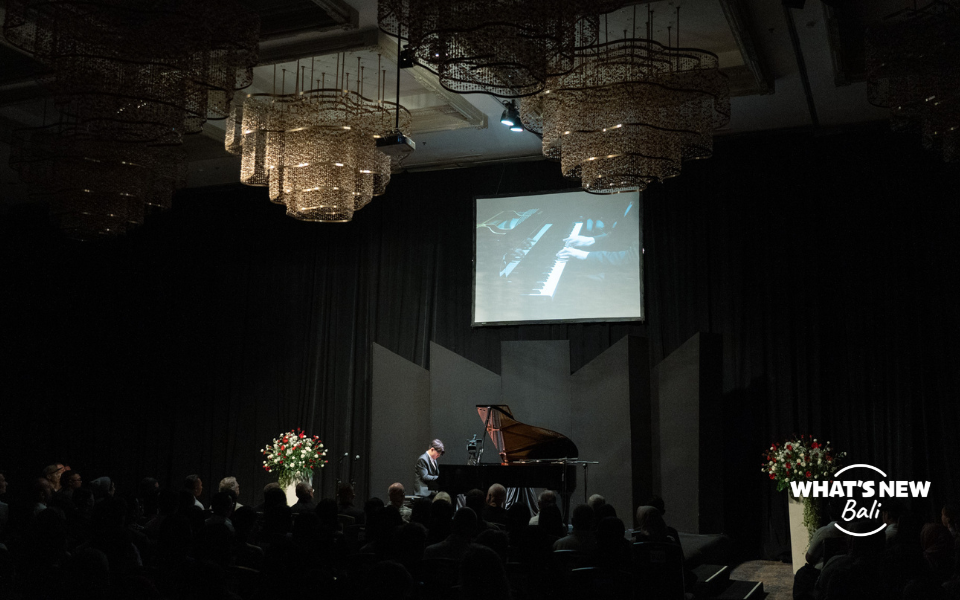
145, 71
629, 113
315, 150
130, 78
912, 68
508, 48
95, 189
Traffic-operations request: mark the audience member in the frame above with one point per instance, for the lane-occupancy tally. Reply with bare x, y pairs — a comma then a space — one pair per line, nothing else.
496, 540
194, 485
230, 483
457, 543
815, 550
273, 495
102, 488
596, 501
650, 526
518, 517
304, 492
476, 500
396, 494
42, 494
345, 498
70, 481
420, 511
495, 511
582, 538
890, 515
613, 550
53, 473
443, 497
409, 544
657, 502
441, 521
546, 498
937, 544
222, 505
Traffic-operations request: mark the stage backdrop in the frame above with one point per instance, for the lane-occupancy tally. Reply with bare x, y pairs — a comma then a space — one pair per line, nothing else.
828, 263
592, 407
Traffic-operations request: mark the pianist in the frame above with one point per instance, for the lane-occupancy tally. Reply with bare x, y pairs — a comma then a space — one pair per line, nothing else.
427, 470
617, 246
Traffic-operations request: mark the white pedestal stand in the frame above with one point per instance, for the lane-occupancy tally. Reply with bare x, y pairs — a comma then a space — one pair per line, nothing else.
799, 536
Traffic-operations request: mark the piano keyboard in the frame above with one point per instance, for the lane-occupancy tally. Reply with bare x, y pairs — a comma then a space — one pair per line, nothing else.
549, 285
509, 268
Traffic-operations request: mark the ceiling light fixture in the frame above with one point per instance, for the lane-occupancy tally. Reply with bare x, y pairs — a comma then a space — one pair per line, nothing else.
630, 112
474, 47
316, 149
911, 65
511, 117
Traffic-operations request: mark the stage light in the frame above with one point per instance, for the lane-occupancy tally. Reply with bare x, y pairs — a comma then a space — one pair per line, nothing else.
511, 117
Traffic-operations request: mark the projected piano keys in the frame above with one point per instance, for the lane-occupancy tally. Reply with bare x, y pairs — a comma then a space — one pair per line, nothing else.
532, 269
522, 252
549, 285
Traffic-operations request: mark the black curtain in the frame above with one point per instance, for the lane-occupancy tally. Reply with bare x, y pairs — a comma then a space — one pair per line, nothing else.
827, 263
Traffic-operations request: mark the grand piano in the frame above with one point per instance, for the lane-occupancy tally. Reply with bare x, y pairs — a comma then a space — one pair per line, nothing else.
529, 457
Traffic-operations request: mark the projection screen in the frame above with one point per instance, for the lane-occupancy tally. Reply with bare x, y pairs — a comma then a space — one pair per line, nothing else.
560, 256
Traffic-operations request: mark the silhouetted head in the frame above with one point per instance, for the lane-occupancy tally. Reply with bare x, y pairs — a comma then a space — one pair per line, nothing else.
496, 495
465, 522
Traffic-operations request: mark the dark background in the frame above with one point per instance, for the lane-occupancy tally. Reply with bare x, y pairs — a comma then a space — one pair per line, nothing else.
829, 264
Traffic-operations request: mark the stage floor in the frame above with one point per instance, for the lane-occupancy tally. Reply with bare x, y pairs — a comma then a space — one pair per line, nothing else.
777, 577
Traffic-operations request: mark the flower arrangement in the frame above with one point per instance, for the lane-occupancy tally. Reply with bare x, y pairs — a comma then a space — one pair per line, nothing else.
294, 455
800, 459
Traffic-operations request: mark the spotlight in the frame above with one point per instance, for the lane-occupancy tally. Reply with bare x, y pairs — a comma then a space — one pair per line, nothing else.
405, 59
511, 117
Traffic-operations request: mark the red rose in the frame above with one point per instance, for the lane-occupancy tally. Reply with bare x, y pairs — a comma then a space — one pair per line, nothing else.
808, 474
788, 465
772, 476
789, 447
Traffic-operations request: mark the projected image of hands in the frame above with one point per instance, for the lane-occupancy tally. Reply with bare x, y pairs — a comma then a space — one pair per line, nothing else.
566, 256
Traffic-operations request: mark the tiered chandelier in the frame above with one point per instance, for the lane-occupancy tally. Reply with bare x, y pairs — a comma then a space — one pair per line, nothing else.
507, 48
139, 70
913, 68
95, 189
126, 75
630, 112
316, 150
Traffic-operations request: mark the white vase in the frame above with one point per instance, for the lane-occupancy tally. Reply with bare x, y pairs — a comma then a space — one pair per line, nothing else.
291, 489
799, 536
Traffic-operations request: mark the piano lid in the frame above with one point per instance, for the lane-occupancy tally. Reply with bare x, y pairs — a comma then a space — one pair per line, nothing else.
518, 441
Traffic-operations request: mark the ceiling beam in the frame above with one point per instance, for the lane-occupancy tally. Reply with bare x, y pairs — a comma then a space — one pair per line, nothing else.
341, 12
274, 52
473, 115
801, 64
740, 28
